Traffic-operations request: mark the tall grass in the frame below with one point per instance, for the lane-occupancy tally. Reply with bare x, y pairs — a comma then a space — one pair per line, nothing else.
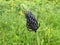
13, 30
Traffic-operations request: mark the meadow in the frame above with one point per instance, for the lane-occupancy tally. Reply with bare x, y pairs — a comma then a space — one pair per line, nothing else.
13, 30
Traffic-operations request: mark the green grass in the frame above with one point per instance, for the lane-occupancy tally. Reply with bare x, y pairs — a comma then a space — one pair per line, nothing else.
13, 30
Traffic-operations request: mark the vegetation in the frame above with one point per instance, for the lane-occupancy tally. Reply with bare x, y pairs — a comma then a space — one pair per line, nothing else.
13, 30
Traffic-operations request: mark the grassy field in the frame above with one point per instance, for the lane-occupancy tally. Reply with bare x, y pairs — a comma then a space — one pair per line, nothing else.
13, 30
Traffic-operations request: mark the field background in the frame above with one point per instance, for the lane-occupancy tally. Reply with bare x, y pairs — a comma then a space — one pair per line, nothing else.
13, 29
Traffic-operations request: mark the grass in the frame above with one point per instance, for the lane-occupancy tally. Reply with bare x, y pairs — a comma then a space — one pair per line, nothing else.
13, 29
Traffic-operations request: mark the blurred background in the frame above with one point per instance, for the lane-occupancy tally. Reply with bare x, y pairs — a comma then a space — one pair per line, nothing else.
13, 30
